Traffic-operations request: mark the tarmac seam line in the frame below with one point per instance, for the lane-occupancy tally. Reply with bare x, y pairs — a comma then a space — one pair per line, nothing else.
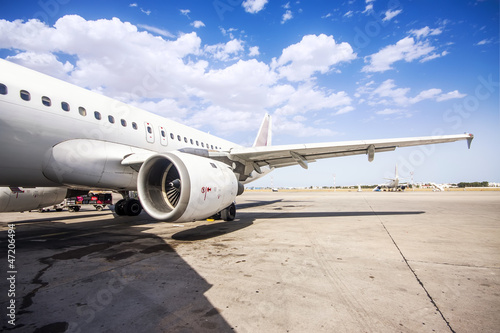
411, 269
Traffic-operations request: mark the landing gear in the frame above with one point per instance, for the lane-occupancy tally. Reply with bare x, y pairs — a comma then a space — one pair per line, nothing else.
130, 207
229, 213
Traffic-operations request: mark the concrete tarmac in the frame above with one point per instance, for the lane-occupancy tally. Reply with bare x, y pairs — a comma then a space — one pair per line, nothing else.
290, 262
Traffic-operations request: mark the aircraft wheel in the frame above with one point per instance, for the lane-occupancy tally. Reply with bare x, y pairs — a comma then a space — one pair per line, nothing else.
133, 207
229, 213
120, 207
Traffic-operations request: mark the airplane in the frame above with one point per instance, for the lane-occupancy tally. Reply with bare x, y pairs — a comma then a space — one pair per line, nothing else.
55, 134
393, 185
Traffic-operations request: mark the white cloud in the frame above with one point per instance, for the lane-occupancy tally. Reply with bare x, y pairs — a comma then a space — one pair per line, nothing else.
44, 62
156, 30
388, 90
254, 6
198, 24
389, 111
389, 94
426, 31
175, 77
287, 16
451, 95
311, 55
484, 42
390, 14
426, 94
434, 56
406, 49
309, 98
185, 12
253, 51
227, 51
297, 127
369, 6
348, 14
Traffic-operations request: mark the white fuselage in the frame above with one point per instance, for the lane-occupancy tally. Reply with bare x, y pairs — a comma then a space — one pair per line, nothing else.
57, 112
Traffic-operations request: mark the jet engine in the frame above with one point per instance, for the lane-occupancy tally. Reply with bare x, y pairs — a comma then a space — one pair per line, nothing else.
177, 186
15, 199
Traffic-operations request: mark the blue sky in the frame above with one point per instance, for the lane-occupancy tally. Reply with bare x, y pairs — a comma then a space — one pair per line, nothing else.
326, 71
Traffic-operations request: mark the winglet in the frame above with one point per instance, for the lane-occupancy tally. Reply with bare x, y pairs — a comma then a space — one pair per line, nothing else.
469, 139
264, 136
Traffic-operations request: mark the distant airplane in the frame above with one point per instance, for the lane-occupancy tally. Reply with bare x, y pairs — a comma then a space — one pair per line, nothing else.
437, 187
393, 185
55, 134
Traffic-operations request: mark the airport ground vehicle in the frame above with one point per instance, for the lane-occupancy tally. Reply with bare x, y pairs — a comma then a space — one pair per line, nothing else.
98, 200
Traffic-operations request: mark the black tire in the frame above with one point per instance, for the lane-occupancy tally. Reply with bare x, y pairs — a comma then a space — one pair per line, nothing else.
133, 207
120, 207
229, 213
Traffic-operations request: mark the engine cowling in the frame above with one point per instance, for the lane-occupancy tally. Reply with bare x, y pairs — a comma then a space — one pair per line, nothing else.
176, 186
22, 199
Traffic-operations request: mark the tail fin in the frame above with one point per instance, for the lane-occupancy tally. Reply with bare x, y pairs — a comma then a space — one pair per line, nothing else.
265, 133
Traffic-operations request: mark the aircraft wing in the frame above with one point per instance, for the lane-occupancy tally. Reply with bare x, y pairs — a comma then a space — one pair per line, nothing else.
301, 154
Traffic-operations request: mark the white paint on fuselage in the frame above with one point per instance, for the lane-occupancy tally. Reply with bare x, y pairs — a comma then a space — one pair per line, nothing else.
29, 129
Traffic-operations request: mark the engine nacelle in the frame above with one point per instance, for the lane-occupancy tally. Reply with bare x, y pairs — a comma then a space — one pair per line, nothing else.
176, 186
22, 199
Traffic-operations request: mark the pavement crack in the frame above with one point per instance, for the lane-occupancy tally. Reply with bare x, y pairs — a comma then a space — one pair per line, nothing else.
417, 278
412, 270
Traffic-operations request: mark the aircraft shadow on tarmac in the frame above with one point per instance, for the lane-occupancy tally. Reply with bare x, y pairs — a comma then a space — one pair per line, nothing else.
53, 218
90, 276
110, 274
285, 215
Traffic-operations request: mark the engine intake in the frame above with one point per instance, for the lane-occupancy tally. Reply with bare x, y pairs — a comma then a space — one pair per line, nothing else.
176, 186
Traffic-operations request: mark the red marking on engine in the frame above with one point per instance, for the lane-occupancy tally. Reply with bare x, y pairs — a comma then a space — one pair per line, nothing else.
205, 190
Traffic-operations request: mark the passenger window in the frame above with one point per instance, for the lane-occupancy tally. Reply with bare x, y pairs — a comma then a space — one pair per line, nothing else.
82, 111
163, 133
97, 115
185, 140
202, 145
197, 143
134, 126
65, 106
46, 101
150, 130
191, 141
111, 119
123, 122
25, 95
179, 137
3, 89
172, 136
